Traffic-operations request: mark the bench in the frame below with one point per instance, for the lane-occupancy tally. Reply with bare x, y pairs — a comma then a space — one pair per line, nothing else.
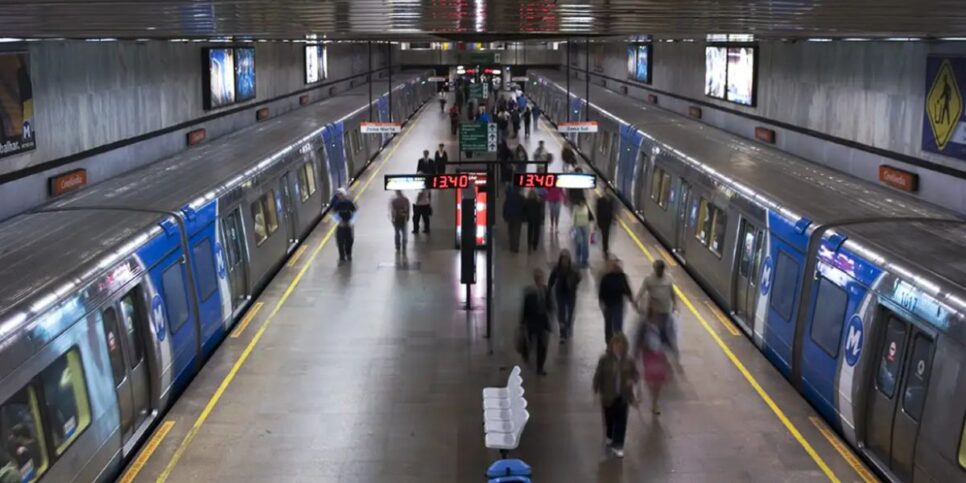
505, 414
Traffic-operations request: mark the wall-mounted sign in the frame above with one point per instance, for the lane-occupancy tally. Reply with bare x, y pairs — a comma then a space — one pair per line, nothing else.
519, 78
943, 129
765, 135
577, 127
556, 180
694, 111
196, 136
437, 79
651, 98
304, 100
478, 137
66, 182
899, 178
379, 127
16, 104
262, 114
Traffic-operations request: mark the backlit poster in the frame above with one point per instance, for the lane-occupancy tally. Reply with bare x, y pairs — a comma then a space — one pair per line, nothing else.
244, 73
221, 77
631, 61
715, 71
311, 64
16, 104
741, 75
643, 72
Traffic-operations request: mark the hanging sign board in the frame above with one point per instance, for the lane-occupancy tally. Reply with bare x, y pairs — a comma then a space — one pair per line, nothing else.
943, 126
478, 137
577, 127
437, 79
556, 180
519, 78
379, 127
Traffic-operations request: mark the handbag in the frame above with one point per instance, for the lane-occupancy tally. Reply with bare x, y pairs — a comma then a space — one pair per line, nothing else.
593, 238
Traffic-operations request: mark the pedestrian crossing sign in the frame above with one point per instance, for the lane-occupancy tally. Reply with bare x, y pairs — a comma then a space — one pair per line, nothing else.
944, 105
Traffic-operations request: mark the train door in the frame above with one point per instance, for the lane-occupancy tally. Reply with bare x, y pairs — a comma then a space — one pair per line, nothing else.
898, 395
641, 185
681, 217
288, 205
125, 327
752, 242
234, 243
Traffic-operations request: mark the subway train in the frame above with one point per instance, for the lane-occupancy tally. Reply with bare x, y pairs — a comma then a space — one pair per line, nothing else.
113, 297
856, 293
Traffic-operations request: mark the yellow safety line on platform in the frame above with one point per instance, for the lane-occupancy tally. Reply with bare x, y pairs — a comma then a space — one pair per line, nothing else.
247, 319
142, 459
844, 451
295, 256
163, 477
734, 359
721, 318
668, 259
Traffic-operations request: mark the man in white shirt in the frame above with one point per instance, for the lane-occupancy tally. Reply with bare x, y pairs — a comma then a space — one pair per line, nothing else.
656, 299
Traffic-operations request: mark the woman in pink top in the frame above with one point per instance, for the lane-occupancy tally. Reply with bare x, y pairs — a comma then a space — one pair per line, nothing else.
554, 196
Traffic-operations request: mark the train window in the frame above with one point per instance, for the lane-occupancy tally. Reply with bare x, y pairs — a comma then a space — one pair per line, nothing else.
747, 250
704, 221
661, 187
132, 320
271, 214
347, 141
65, 394
175, 300
23, 443
205, 268
310, 176
893, 348
112, 335
265, 216
258, 214
829, 316
917, 377
303, 185
306, 181
785, 286
719, 226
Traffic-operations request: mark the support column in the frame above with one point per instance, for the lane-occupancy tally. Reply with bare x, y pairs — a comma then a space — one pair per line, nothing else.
567, 100
491, 185
389, 68
587, 81
369, 77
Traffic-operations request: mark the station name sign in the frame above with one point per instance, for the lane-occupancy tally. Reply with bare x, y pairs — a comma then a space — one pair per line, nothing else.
556, 180
379, 127
394, 182
577, 127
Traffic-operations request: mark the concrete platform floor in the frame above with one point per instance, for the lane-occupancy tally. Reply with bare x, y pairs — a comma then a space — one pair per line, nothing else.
372, 371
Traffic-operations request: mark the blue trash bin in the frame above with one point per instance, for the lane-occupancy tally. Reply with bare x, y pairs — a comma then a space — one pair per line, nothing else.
509, 471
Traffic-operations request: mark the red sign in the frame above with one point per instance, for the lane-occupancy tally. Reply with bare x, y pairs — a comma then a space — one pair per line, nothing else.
536, 180
262, 114
479, 181
695, 112
304, 100
66, 182
196, 136
449, 181
765, 135
652, 98
898, 178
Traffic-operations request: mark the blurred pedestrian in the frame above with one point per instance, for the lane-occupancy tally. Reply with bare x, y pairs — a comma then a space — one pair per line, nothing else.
345, 212
399, 216
454, 119
564, 281
576, 195
554, 197
581, 217
441, 158
527, 116
569, 158
534, 209
423, 209
536, 318
653, 358
657, 301
442, 101
615, 380
541, 155
425, 165
515, 121
514, 215
520, 159
612, 292
605, 217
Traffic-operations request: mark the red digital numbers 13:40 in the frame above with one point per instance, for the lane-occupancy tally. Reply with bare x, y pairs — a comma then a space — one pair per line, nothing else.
449, 181
536, 180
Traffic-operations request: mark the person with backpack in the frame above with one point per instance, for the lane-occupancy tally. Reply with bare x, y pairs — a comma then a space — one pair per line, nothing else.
581, 217
615, 382
345, 211
605, 217
399, 216
564, 280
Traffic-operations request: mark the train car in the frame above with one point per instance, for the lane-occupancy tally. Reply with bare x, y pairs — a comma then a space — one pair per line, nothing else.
857, 294
114, 297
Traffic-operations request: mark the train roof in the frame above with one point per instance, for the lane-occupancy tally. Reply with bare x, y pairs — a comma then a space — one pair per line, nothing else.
197, 173
43, 253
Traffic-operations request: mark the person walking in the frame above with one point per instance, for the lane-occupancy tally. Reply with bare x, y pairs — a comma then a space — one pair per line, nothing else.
425, 164
527, 117
534, 211
399, 216
576, 195
503, 123
441, 158
514, 214
536, 318
442, 101
345, 211
515, 121
605, 217
454, 119
657, 301
653, 358
422, 209
581, 217
554, 197
520, 159
564, 281
612, 292
569, 158
541, 155
615, 380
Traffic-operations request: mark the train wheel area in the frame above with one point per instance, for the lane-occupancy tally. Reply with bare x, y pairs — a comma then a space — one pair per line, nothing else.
371, 370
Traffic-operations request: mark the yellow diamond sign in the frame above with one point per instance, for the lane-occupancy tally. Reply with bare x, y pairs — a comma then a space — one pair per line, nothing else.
944, 105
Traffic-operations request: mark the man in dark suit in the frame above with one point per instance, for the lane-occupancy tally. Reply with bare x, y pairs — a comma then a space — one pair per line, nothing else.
536, 317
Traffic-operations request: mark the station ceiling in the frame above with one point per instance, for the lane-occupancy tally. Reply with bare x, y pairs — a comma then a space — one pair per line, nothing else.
478, 19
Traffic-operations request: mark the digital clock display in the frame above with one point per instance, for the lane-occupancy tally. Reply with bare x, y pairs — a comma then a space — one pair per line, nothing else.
556, 180
427, 181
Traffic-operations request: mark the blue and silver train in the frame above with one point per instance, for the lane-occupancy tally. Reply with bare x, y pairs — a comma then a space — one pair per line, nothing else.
113, 298
855, 292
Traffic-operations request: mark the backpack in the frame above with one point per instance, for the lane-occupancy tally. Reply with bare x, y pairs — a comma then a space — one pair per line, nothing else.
399, 211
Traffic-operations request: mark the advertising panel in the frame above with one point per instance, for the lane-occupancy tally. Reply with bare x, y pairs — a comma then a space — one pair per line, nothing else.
221, 77
741, 75
715, 71
16, 104
244, 73
643, 72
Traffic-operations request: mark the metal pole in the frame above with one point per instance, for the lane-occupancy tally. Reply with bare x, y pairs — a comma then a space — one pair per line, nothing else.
369, 77
587, 82
389, 64
567, 100
490, 211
